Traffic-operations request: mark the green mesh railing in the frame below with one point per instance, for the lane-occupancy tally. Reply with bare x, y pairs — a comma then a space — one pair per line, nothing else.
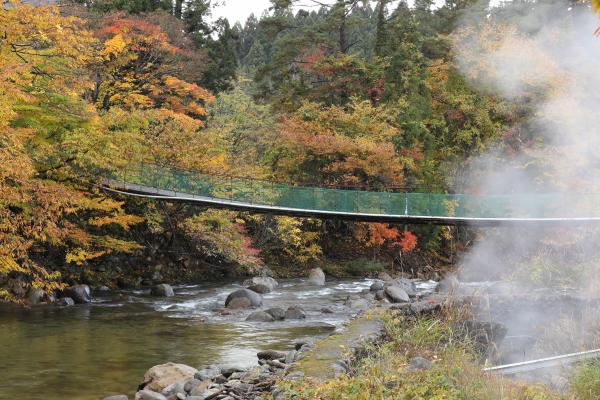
259, 192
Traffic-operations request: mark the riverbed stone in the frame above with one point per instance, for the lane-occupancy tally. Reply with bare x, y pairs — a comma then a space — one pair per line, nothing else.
208, 373
162, 290
191, 384
262, 280
316, 277
243, 298
271, 355
80, 294
117, 397
260, 288
357, 303
160, 376
326, 310
376, 286
174, 388
396, 294
277, 313
260, 316
65, 301
228, 371
409, 286
295, 312
149, 395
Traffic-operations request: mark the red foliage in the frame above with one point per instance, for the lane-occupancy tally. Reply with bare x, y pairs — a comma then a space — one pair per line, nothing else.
408, 242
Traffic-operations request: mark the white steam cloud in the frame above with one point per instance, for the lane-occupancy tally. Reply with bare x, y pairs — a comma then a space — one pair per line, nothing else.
545, 58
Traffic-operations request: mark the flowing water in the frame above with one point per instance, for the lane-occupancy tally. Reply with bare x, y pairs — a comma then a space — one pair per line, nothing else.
91, 351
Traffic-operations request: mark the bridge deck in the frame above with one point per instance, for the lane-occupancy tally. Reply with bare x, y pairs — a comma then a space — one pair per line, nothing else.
139, 190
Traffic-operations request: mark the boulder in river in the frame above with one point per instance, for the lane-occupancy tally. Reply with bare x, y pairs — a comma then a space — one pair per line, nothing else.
243, 298
260, 316
260, 288
65, 301
149, 395
295, 312
160, 376
380, 295
408, 286
316, 277
262, 280
162, 290
357, 303
396, 294
377, 286
80, 294
277, 313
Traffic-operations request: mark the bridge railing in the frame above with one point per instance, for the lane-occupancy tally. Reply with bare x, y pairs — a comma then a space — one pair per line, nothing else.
256, 191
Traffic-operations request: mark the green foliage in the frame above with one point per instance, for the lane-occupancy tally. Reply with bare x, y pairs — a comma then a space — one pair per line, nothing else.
585, 380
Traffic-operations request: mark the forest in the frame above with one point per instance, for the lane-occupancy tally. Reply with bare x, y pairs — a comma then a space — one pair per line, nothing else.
353, 94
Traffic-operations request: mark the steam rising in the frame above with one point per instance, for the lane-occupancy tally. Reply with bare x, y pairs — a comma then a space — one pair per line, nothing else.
545, 58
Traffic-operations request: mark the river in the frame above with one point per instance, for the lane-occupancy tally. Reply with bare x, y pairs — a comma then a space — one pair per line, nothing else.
87, 352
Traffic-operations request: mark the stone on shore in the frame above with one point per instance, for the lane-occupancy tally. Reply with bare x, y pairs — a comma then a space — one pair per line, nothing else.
295, 312
208, 373
271, 355
396, 294
277, 313
243, 298
117, 397
162, 290
149, 395
316, 277
260, 316
81, 294
160, 376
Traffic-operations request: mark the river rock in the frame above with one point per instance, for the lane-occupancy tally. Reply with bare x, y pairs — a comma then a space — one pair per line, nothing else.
243, 298
380, 295
271, 355
117, 397
35, 296
162, 290
80, 294
260, 316
201, 388
326, 310
160, 376
262, 280
208, 373
260, 288
424, 307
408, 286
384, 276
376, 286
357, 303
206, 395
228, 371
149, 395
295, 312
173, 389
316, 277
397, 294
277, 313
65, 301
290, 356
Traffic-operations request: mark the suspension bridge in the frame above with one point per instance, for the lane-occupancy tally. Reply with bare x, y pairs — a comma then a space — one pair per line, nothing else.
391, 206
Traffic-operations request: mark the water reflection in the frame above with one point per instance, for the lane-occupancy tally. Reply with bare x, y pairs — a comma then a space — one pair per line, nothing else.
86, 352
